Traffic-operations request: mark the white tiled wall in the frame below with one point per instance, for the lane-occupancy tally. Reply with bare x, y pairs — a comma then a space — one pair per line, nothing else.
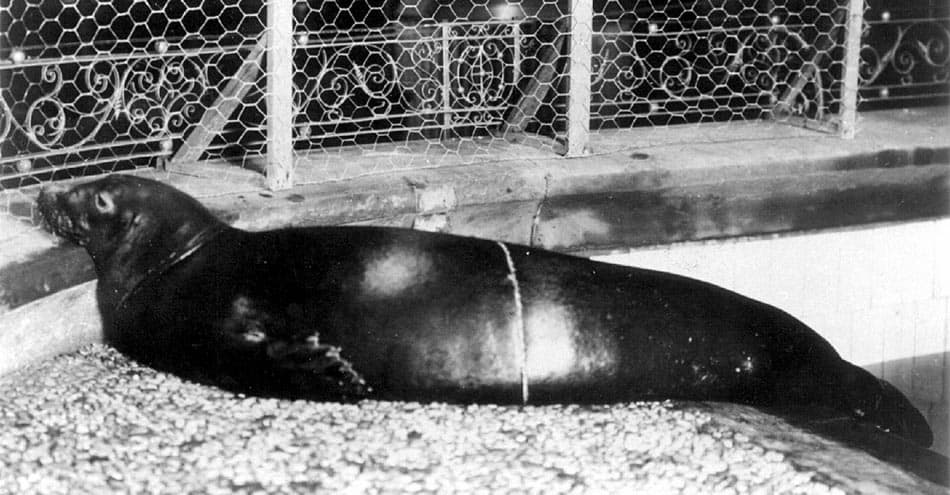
879, 294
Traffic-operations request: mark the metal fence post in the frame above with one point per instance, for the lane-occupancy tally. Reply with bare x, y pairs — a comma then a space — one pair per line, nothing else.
578, 109
280, 119
852, 61
445, 29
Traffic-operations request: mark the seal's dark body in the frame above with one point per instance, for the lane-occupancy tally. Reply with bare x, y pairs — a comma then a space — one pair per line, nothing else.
670, 336
352, 312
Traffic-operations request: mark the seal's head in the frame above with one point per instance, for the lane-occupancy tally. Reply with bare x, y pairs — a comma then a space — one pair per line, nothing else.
105, 214
89, 215
127, 224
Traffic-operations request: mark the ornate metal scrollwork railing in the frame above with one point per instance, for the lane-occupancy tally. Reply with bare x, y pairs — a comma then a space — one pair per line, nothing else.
366, 75
436, 77
758, 67
905, 59
75, 111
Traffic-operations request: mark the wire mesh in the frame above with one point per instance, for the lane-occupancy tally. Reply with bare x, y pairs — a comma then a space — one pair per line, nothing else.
93, 86
718, 61
423, 83
90, 86
905, 53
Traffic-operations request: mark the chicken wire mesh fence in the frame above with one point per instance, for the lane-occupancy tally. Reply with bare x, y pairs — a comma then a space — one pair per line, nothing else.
905, 53
313, 91
696, 61
424, 83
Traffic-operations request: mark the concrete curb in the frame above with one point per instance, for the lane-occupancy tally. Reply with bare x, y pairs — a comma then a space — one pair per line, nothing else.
53, 325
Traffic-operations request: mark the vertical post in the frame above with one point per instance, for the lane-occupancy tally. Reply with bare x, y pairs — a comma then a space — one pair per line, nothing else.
516, 56
578, 108
280, 81
446, 30
852, 61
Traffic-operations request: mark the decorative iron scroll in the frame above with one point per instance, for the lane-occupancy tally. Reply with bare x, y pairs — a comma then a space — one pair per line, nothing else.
345, 73
94, 86
910, 56
154, 96
68, 107
719, 61
482, 66
101, 81
435, 76
717, 72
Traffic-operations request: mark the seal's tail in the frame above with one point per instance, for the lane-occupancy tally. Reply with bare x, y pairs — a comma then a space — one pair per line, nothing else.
878, 402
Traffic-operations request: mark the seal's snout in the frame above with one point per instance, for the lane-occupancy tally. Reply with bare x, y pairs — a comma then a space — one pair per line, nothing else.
53, 189
56, 218
47, 203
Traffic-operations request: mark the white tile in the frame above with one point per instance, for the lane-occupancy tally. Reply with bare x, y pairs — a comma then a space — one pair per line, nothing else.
854, 282
930, 347
815, 262
903, 266
867, 341
898, 326
941, 236
717, 266
757, 273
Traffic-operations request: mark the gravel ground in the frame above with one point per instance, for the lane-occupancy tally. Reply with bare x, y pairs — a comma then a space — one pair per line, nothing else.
93, 422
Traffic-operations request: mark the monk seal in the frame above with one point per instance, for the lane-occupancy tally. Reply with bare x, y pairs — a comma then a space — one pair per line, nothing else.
345, 313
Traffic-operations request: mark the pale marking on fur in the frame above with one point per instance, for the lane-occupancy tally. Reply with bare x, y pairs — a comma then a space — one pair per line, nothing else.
519, 322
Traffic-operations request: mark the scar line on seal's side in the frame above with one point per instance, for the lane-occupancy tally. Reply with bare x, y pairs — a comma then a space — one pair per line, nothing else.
519, 319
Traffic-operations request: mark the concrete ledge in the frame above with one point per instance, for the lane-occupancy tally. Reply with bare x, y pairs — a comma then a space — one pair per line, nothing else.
49, 326
594, 222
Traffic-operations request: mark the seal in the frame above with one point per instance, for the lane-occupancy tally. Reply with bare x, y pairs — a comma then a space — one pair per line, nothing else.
346, 313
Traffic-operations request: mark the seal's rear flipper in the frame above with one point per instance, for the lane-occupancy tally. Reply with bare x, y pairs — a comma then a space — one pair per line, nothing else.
879, 403
848, 389
881, 444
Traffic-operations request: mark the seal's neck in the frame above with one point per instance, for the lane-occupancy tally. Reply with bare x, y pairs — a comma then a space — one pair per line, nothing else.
147, 250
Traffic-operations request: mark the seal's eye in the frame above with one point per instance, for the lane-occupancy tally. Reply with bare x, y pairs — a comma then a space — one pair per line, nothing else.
104, 203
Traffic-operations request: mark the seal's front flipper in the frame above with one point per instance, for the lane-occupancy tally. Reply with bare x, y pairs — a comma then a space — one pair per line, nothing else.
317, 370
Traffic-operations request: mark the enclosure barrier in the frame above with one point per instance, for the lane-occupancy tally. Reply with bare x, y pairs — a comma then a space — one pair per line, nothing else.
905, 56
315, 91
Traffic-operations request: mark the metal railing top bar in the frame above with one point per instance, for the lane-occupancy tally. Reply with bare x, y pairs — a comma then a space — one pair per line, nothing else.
907, 20
675, 99
400, 128
735, 29
398, 41
393, 116
400, 26
135, 44
86, 163
911, 84
892, 97
88, 148
137, 55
